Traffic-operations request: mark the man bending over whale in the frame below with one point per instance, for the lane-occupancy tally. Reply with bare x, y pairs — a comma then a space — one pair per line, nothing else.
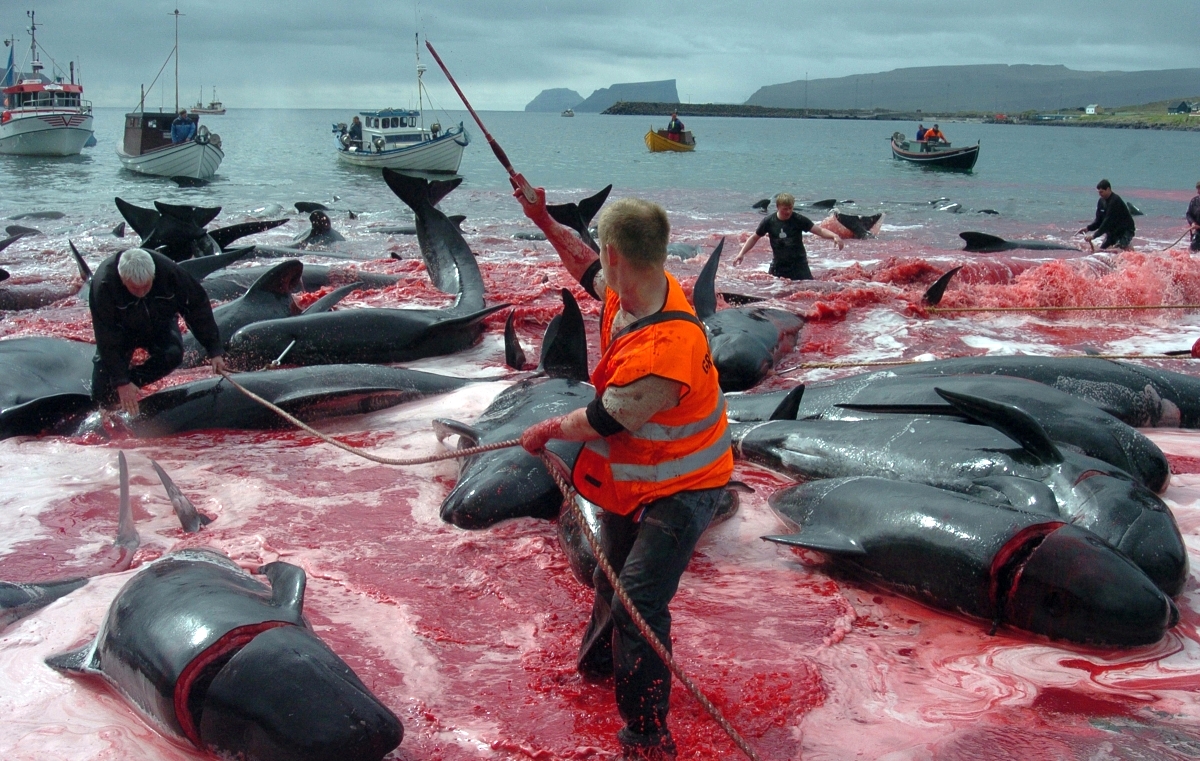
134, 299
1113, 220
656, 457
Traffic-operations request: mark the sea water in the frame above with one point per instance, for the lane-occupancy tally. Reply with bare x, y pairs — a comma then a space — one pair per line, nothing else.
470, 637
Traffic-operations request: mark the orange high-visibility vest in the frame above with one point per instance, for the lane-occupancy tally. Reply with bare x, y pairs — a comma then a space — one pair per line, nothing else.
681, 449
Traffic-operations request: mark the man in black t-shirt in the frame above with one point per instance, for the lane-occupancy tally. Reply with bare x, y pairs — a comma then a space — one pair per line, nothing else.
786, 230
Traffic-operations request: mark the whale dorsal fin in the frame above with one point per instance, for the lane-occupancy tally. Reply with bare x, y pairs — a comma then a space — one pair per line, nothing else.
127, 535
85, 271
287, 585
981, 241
933, 295
821, 540
329, 300
1008, 419
191, 519
3, 274
444, 428
704, 292
789, 407
280, 280
564, 348
514, 355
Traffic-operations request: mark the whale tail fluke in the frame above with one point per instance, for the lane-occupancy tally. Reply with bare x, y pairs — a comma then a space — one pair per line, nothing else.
226, 235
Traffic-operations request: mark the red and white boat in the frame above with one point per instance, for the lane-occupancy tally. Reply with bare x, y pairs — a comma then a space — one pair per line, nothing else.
42, 116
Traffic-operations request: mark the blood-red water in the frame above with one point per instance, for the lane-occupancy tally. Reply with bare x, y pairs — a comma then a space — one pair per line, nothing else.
470, 637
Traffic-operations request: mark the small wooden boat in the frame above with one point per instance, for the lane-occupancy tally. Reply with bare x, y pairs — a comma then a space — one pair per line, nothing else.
938, 154
657, 140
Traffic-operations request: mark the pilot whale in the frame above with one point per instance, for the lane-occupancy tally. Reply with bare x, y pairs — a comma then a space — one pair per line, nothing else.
178, 231
745, 342
215, 657
1002, 451
385, 335
1010, 567
43, 382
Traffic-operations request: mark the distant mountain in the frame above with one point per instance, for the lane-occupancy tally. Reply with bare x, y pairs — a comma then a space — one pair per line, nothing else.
653, 92
993, 87
556, 99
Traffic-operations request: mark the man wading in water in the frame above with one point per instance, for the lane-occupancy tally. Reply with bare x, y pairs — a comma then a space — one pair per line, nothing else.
656, 457
786, 231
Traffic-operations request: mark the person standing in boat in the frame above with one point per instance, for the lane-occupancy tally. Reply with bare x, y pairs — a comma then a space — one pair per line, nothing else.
786, 229
921, 132
1193, 219
1113, 220
934, 135
183, 128
135, 299
675, 128
355, 133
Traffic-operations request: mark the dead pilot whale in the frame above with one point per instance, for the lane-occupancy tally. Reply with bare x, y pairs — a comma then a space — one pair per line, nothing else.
1010, 567
215, 657
178, 231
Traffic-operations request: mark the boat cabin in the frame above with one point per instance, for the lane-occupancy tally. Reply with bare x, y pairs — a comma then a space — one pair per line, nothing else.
146, 131
34, 94
393, 128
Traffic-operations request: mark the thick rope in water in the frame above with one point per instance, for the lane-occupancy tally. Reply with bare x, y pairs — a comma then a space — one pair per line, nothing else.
593, 541
1131, 307
897, 362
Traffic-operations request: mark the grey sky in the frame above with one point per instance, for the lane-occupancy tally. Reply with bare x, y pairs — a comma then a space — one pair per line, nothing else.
307, 53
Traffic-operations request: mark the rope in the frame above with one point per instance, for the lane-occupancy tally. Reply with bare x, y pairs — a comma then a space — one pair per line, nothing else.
1185, 232
568, 491
362, 452
893, 362
1131, 307
610, 573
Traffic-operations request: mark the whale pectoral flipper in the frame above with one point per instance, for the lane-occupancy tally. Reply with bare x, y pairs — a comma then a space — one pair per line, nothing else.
1008, 419
287, 585
191, 519
81, 660
444, 428
821, 540
329, 300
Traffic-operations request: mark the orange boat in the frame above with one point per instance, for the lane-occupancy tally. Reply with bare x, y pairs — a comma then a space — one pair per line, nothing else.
657, 140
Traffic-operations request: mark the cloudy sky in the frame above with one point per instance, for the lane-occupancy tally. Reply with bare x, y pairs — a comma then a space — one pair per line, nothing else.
305, 53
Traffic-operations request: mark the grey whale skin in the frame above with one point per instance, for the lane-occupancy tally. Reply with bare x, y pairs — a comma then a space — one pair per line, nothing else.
385, 335
1014, 463
309, 393
1065, 418
42, 382
217, 658
1011, 567
745, 342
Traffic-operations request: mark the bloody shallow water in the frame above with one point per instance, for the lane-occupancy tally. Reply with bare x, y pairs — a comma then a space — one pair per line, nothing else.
470, 637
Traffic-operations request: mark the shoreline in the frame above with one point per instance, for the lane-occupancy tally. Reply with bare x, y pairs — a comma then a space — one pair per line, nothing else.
1180, 123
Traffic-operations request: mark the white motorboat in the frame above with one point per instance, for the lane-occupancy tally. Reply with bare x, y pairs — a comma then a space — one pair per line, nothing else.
150, 148
392, 138
214, 107
398, 138
42, 116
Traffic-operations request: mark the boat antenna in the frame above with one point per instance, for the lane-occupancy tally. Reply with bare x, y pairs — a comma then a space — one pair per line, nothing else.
177, 14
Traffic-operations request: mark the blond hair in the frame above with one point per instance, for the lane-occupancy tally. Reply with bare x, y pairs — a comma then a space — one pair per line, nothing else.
637, 229
785, 199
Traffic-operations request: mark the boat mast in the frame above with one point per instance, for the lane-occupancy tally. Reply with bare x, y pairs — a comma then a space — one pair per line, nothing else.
177, 14
420, 84
35, 63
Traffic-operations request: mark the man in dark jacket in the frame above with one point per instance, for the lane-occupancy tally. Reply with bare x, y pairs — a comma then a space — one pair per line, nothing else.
1193, 219
135, 297
1113, 220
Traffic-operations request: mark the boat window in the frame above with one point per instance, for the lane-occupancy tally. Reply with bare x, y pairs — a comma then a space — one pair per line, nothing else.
395, 121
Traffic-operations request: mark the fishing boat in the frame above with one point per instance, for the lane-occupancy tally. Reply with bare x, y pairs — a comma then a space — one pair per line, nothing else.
214, 106
657, 140
42, 116
569, 112
935, 154
149, 149
398, 138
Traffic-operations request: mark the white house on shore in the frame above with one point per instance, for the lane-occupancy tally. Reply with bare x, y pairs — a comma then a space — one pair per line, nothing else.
1092, 109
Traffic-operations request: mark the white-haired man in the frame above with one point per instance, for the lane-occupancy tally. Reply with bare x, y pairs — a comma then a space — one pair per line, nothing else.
135, 298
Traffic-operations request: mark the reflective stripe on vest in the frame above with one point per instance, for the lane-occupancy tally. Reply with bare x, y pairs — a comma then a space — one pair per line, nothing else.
668, 469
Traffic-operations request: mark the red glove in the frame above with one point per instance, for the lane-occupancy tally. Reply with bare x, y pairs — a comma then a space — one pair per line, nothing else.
535, 211
535, 437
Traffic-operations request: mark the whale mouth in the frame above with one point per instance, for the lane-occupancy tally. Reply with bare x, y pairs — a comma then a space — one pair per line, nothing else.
193, 683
